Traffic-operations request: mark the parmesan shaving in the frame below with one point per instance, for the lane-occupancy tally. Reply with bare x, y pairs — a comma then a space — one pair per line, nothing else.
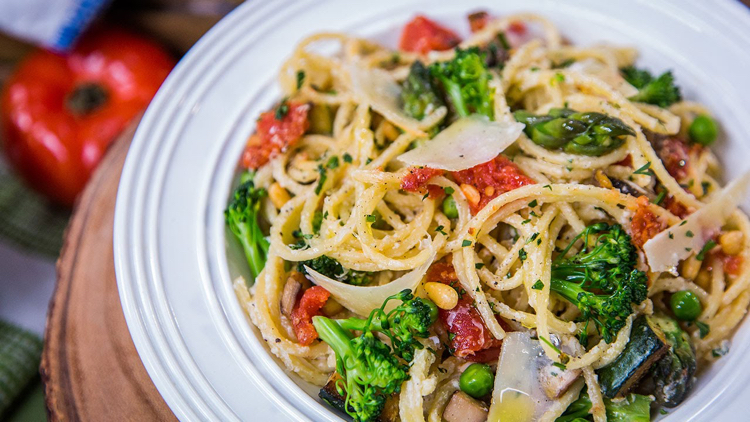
665, 250
378, 88
468, 142
363, 299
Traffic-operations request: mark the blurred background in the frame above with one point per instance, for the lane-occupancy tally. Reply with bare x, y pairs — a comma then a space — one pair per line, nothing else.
74, 73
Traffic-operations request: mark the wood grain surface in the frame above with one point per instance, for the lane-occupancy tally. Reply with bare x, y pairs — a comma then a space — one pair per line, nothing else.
90, 368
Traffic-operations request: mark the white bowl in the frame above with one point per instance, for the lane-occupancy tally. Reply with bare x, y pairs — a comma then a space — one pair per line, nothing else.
174, 270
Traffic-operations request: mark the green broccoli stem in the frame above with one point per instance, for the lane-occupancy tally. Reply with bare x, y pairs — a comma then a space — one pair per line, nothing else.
568, 290
453, 91
331, 332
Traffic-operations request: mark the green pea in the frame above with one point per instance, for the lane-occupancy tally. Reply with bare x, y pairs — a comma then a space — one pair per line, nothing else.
449, 207
477, 380
703, 130
686, 305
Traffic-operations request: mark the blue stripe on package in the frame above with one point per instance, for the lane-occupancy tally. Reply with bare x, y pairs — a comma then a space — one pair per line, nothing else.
54, 24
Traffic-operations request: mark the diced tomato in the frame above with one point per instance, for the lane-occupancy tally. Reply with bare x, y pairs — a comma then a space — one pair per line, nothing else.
308, 306
478, 20
517, 27
492, 179
273, 135
468, 335
417, 178
732, 263
627, 161
422, 35
675, 207
675, 153
645, 224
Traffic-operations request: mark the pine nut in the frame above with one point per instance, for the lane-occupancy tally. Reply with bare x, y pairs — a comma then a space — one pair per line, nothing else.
444, 296
731, 242
690, 268
471, 193
278, 195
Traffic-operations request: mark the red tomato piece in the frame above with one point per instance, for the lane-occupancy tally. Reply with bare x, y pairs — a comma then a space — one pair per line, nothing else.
308, 306
423, 35
274, 135
675, 207
62, 110
517, 27
627, 161
675, 153
492, 179
417, 178
645, 224
732, 263
469, 336
478, 20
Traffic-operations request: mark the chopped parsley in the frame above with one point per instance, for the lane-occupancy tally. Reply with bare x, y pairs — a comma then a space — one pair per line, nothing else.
689, 233
440, 229
373, 218
300, 78
347, 158
282, 110
465, 243
522, 254
707, 247
533, 203
538, 285
644, 170
703, 328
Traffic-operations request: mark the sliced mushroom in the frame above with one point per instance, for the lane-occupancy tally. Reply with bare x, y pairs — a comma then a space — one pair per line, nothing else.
463, 408
556, 381
294, 284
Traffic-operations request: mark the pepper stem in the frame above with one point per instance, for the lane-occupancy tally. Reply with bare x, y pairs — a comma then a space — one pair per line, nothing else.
86, 98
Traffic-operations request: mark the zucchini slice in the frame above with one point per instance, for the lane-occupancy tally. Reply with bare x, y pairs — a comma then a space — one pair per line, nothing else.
647, 345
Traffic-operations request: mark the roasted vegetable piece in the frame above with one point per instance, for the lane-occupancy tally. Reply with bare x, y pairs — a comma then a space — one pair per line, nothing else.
633, 408
419, 95
647, 345
608, 266
242, 216
674, 373
588, 133
660, 91
333, 269
408, 321
466, 82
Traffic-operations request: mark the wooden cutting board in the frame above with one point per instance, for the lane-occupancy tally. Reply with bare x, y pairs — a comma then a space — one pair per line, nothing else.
90, 368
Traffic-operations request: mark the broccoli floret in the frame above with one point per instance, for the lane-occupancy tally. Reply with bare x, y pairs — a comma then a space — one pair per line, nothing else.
333, 269
466, 82
370, 369
660, 91
242, 216
602, 280
633, 408
418, 95
410, 320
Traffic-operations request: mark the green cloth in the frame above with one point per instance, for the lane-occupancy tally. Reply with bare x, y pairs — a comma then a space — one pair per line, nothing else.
28, 220
20, 354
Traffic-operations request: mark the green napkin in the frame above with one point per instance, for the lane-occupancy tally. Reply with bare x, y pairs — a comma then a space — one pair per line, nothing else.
27, 219
20, 353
